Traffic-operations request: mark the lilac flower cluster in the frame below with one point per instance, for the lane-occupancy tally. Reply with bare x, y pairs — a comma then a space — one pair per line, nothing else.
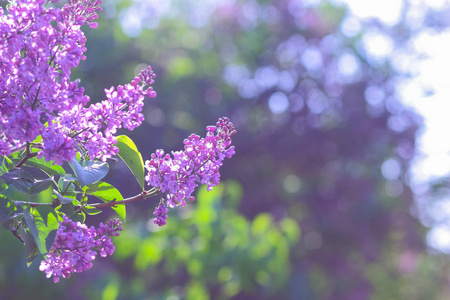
160, 214
95, 127
199, 162
76, 246
38, 48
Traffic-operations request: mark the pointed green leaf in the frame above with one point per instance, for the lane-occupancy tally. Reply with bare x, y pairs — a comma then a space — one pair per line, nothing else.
80, 217
8, 224
21, 190
12, 176
38, 139
70, 177
40, 186
107, 193
51, 238
65, 183
42, 221
132, 158
62, 199
91, 172
31, 249
17, 191
5, 165
46, 196
45, 166
69, 211
91, 210
67, 189
7, 209
24, 187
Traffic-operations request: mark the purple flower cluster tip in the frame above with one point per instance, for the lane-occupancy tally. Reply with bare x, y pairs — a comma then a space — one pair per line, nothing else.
76, 246
179, 174
161, 215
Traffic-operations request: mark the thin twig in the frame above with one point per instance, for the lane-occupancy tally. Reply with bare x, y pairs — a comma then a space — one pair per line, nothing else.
142, 196
27, 156
21, 148
16, 234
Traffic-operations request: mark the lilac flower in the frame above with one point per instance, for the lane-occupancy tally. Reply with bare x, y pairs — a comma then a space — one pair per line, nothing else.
161, 214
199, 162
76, 246
38, 48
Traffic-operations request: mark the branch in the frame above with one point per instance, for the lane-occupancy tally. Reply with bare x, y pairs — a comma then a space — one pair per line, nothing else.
27, 156
16, 234
36, 204
142, 196
17, 149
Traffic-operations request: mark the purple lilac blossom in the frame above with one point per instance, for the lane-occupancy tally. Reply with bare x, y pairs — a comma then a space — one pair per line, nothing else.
39, 47
178, 175
161, 214
76, 246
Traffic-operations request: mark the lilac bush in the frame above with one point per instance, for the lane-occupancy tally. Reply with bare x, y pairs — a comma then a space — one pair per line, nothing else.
46, 122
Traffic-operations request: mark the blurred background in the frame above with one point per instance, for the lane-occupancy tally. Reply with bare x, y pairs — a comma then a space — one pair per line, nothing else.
339, 188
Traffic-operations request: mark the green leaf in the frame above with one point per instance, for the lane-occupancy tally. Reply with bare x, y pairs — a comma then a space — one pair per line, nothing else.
38, 139
91, 172
6, 209
84, 200
18, 180
13, 175
69, 211
31, 249
51, 238
17, 191
16, 156
45, 166
40, 186
42, 221
23, 187
44, 196
66, 187
21, 190
9, 224
70, 177
132, 158
91, 210
65, 181
62, 199
107, 193
5, 165
80, 217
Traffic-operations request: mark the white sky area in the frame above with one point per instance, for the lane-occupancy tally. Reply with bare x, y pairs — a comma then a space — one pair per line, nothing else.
429, 74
